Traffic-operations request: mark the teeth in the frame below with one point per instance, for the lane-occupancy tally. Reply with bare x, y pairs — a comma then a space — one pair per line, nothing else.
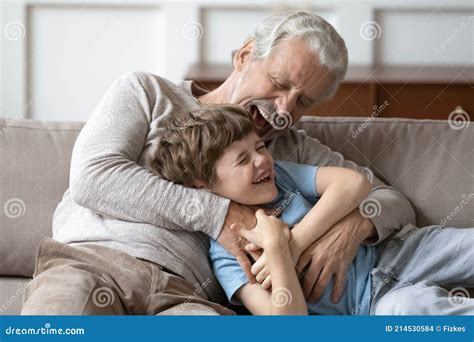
261, 179
262, 113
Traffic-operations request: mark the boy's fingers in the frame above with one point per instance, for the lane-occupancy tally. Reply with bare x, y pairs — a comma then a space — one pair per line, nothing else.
245, 233
258, 265
260, 214
255, 255
251, 247
267, 211
272, 212
244, 262
263, 274
267, 283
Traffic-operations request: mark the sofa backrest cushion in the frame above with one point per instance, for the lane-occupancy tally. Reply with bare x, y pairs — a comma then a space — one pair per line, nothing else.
34, 174
429, 161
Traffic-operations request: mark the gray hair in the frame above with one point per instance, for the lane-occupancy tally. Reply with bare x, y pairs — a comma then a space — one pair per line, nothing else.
321, 37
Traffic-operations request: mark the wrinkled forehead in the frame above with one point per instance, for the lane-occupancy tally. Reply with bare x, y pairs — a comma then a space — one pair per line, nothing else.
293, 60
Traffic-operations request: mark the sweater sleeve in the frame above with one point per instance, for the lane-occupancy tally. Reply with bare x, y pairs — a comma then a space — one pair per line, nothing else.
387, 208
106, 178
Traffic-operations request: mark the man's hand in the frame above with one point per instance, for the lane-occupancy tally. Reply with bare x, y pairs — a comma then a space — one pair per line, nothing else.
332, 254
244, 217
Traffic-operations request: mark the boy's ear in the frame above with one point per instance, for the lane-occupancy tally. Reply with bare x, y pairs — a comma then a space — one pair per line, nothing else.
243, 55
199, 184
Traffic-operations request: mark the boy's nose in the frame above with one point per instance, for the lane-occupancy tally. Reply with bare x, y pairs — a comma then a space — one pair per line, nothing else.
261, 160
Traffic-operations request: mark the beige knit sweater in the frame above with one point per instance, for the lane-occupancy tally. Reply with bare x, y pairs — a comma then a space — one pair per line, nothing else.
114, 199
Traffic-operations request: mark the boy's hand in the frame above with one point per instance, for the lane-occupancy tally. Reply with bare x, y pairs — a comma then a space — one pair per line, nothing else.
260, 268
231, 241
269, 233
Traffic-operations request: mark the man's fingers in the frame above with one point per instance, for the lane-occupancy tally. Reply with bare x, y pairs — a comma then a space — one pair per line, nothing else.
244, 262
339, 285
321, 284
310, 279
304, 260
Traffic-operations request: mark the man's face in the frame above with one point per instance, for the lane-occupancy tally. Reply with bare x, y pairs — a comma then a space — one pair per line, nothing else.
244, 173
288, 81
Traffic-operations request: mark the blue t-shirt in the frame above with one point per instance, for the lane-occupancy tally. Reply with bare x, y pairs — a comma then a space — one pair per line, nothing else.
296, 196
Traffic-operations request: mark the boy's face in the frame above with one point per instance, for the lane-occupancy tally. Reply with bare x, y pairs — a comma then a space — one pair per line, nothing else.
244, 173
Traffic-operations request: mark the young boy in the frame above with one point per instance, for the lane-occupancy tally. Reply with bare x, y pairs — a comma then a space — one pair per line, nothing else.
217, 149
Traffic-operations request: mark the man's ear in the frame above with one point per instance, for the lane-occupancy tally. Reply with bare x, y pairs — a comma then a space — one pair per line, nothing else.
243, 55
198, 184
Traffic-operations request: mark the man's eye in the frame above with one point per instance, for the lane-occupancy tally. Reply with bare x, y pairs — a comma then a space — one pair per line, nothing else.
280, 86
261, 147
303, 103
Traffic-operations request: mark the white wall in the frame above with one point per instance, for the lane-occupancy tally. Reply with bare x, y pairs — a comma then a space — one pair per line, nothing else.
58, 57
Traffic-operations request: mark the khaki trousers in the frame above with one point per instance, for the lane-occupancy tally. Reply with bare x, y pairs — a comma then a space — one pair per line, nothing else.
96, 280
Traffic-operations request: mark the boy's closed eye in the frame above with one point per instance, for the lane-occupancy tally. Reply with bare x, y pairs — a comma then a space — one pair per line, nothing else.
260, 146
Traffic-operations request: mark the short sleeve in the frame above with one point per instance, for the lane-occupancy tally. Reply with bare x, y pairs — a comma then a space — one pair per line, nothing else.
299, 176
227, 270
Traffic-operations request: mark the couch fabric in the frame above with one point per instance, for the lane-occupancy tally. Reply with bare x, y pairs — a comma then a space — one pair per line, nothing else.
431, 162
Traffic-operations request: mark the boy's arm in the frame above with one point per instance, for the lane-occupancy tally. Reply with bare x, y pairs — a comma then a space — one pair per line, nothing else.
286, 296
395, 209
342, 191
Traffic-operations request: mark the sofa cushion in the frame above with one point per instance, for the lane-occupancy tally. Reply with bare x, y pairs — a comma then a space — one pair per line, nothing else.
429, 161
34, 173
11, 294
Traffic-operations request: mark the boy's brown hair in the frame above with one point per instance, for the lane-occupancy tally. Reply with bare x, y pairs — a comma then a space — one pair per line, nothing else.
195, 141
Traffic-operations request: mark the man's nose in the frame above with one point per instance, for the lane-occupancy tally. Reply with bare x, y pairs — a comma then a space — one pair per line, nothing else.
286, 103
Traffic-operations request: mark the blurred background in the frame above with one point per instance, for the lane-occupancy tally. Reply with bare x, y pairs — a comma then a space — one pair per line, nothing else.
58, 57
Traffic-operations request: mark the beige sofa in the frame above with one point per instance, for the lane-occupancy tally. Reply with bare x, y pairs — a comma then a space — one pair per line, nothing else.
429, 161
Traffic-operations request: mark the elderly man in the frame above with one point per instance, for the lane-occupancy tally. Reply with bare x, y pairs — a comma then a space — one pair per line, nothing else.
126, 241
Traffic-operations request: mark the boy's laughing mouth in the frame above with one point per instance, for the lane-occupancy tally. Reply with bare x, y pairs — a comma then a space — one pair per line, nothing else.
264, 177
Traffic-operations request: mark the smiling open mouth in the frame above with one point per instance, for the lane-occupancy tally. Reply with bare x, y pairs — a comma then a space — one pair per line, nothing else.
263, 180
258, 118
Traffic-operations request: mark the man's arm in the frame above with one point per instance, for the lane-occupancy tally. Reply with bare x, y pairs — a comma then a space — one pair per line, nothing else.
394, 209
106, 178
